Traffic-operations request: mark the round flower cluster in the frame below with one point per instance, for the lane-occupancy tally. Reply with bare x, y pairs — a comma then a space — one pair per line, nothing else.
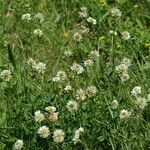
60, 76
5, 75
122, 69
77, 135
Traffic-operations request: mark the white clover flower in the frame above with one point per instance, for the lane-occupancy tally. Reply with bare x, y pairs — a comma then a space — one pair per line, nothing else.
72, 105
124, 114
77, 135
85, 29
38, 32
94, 55
77, 36
77, 68
126, 62
124, 76
115, 12
18, 145
68, 53
136, 91
40, 67
31, 63
5, 75
68, 88
88, 63
92, 20
39, 17
80, 95
141, 102
114, 104
113, 32
121, 68
53, 116
56, 79
83, 13
50, 109
125, 35
43, 131
61, 75
38, 116
26, 17
58, 136
91, 90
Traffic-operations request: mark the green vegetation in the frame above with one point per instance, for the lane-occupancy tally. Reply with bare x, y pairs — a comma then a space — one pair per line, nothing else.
74, 75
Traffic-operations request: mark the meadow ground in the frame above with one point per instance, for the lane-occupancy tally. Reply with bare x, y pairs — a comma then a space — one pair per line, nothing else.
74, 74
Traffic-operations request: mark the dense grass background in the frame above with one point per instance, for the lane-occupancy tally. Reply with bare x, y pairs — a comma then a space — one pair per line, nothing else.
28, 92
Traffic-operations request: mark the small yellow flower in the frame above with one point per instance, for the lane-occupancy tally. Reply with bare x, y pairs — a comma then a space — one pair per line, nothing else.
66, 34
101, 38
147, 44
103, 3
136, 5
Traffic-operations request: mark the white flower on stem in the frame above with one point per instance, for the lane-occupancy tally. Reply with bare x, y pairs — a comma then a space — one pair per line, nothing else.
50, 109
5, 75
58, 136
83, 13
18, 145
114, 104
141, 102
77, 36
125, 35
80, 95
113, 32
68, 88
43, 131
38, 32
77, 135
40, 67
68, 53
53, 116
124, 114
38, 116
26, 17
136, 91
77, 68
31, 63
92, 20
39, 17
115, 12
72, 105
88, 63
94, 55
91, 90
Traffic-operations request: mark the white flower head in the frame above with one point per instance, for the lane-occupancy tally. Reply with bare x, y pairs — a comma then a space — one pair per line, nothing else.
94, 55
136, 91
58, 136
39, 17
40, 67
126, 61
125, 35
113, 32
26, 17
5, 75
124, 114
72, 105
114, 104
83, 13
38, 32
92, 20
77, 36
61, 75
77, 135
77, 68
56, 79
53, 116
68, 88
141, 102
88, 63
91, 90
68, 53
43, 131
115, 12
50, 109
38, 116
80, 95
31, 63
18, 145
